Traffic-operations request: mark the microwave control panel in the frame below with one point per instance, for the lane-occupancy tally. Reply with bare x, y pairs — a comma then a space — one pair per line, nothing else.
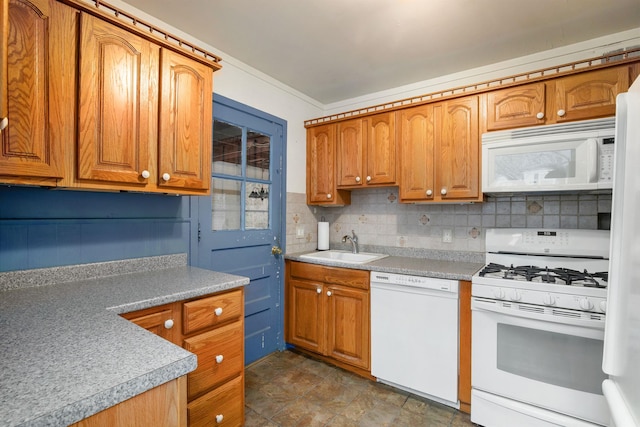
606, 160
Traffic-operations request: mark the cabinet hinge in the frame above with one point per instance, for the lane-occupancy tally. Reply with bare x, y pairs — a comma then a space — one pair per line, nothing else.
199, 233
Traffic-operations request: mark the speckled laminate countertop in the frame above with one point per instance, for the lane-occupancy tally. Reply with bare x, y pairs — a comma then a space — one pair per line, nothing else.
443, 269
65, 354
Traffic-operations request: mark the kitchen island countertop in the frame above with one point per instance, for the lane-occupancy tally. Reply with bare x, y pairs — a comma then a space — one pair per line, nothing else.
66, 354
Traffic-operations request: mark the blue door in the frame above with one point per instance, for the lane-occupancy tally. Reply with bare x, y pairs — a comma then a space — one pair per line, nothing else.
240, 226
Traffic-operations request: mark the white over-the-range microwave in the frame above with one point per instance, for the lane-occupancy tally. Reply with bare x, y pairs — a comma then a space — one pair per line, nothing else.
575, 156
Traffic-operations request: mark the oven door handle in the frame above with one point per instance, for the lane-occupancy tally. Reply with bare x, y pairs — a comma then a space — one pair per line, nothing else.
529, 311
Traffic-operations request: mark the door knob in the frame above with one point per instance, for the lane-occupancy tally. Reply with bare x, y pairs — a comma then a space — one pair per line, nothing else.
275, 250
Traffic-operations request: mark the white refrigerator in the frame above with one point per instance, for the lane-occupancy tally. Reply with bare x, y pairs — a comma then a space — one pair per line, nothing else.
622, 331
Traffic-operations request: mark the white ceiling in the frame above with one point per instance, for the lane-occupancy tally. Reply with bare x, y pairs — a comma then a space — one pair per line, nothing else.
333, 50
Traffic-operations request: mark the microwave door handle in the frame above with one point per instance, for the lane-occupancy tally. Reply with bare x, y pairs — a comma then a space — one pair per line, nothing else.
592, 159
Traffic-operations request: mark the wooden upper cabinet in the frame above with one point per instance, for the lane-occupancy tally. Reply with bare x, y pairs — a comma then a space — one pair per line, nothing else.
457, 148
366, 151
416, 140
321, 168
185, 123
4, 37
589, 95
516, 107
116, 116
38, 90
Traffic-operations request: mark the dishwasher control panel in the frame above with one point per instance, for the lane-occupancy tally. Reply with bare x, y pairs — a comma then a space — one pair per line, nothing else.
414, 281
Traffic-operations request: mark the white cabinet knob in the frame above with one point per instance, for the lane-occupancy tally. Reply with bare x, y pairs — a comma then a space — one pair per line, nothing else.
145, 174
540, 115
561, 113
219, 358
168, 324
219, 418
319, 290
368, 178
166, 176
4, 123
357, 179
443, 191
429, 192
329, 196
328, 293
218, 311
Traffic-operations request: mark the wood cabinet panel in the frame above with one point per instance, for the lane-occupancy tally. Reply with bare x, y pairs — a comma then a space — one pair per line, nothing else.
457, 146
416, 139
350, 153
37, 90
381, 149
321, 168
162, 406
4, 45
212, 311
220, 357
161, 321
464, 383
589, 95
306, 315
349, 325
331, 320
185, 123
518, 106
223, 406
115, 133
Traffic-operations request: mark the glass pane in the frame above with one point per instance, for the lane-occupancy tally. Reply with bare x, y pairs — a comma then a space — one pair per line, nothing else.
542, 356
536, 167
227, 149
225, 200
258, 155
257, 206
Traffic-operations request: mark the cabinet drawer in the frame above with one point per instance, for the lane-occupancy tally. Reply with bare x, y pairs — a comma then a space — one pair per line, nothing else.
220, 357
211, 311
334, 275
225, 402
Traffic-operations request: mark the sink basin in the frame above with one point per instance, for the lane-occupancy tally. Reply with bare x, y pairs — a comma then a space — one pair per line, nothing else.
344, 256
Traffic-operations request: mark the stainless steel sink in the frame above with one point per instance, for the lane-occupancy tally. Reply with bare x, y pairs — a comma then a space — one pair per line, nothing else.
344, 256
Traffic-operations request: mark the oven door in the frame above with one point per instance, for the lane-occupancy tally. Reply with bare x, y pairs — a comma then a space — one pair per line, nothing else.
548, 358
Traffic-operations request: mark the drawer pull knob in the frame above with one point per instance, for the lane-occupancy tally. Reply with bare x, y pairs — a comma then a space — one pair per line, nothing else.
218, 311
357, 179
540, 116
328, 293
219, 418
219, 358
561, 113
368, 178
145, 174
319, 290
166, 177
4, 123
168, 324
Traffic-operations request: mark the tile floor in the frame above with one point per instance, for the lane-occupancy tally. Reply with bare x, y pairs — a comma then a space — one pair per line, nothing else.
288, 389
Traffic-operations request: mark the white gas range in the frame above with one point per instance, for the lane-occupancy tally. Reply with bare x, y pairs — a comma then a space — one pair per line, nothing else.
538, 313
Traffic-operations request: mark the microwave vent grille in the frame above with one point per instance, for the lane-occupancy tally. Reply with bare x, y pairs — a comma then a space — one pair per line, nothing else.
549, 130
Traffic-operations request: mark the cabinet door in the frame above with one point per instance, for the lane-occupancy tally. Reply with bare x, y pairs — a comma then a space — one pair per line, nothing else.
37, 88
185, 123
306, 315
590, 95
416, 139
350, 153
321, 161
516, 107
4, 37
160, 321
381, 149
223, 406
458, 148
116, 120
348, 322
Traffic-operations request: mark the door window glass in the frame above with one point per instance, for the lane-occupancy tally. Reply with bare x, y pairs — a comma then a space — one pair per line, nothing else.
241, 178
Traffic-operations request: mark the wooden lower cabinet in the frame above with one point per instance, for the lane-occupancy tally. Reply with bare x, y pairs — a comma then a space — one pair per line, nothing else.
211, 327
464, 380
327, 314
162, 406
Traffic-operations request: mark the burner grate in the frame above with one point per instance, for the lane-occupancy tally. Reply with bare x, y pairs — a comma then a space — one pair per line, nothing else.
560, 276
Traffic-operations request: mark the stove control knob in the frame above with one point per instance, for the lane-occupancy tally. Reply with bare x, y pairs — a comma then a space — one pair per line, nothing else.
498, 293
548, 299
515, 295
586, 304
603, 306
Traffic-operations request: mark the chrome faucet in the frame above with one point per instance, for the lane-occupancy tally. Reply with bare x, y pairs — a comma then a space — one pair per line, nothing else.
354, 241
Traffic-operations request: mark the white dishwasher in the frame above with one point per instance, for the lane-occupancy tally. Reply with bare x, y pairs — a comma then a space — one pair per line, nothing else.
414, 335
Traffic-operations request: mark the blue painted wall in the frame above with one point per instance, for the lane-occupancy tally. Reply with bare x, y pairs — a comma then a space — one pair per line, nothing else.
45, 228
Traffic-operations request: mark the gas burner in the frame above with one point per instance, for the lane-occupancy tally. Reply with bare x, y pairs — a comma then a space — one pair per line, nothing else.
558, 276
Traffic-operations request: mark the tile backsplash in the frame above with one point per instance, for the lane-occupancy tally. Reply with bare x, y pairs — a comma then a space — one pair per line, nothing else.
379, 220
